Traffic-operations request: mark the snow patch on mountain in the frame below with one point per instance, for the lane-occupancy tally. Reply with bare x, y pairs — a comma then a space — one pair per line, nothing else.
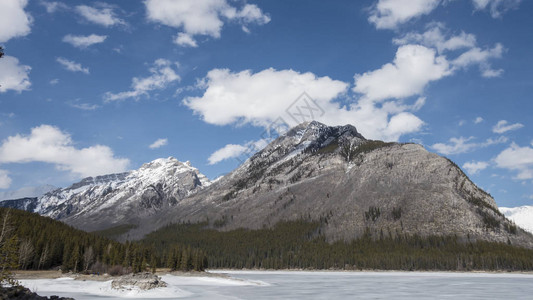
522, 216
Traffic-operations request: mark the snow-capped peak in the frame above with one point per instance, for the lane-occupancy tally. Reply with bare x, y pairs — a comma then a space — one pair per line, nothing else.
156, 184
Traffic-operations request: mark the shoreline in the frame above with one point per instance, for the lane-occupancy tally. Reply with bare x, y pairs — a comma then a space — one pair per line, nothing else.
226, 273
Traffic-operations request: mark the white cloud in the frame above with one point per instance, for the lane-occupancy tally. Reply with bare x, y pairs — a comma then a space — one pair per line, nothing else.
435, 38
81, 41
184, 39
72, 66
474, 167
239, 152
478, 120
158, 143
83, 106
50, 145
463, 145
13, 76
104, 16
162, 75
389, 14
412, 69
14, 21
456, 146
52, 7
518, 159
262, 98
478, 56
258, 98
201, 17
503, 126
54, 81
496, 7
227, 152
5, 181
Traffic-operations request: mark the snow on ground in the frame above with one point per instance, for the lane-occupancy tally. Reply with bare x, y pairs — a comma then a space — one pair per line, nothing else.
85, 289
69, 286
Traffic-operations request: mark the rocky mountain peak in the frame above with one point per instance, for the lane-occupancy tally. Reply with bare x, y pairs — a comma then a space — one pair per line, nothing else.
308, 137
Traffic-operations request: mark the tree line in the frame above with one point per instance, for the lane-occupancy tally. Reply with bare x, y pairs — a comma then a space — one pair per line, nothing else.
299, 245
31, 241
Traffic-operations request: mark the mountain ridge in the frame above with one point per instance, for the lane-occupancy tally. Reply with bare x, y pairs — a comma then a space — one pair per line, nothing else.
314, 172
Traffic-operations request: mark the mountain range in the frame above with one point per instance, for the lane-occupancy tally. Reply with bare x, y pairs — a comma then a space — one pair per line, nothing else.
313, 172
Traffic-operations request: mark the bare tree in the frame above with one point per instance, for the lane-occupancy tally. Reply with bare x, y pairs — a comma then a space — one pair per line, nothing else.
26, 252
88, 257
8, 251
6, 230
44, 257
1, 51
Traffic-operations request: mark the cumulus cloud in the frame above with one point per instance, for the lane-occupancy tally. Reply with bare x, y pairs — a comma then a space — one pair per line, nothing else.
239, 152
463, 145
478, 120
516, 158
474, 167
257, 98
389, 14
163, 74
412, 69
158, 143
381, 109
5, 181
206, 17
478, 56
184, 39
503, 126
438, 37
264, 97
49, 144
81, 41
71, 65
496, 7
14, 21
227, 152
104, 16
13, 76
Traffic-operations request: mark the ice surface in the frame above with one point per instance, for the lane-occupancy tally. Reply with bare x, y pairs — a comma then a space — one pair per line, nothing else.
308, 285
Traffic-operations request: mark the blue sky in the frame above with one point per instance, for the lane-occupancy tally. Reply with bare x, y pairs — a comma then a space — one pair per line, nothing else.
89, 88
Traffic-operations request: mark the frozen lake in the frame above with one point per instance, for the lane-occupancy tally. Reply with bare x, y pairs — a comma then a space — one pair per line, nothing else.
308, 285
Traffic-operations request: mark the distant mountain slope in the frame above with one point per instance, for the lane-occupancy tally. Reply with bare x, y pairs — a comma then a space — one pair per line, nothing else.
522, 216
105, 201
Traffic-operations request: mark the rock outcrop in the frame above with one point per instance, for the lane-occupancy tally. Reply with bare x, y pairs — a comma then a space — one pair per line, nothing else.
142, 281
